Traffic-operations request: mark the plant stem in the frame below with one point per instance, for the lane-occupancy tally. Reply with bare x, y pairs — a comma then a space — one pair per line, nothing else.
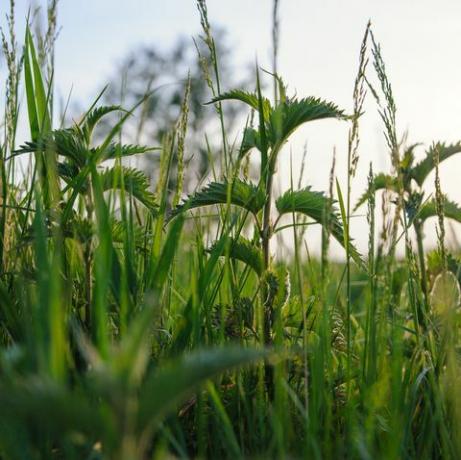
422, 263
267, 299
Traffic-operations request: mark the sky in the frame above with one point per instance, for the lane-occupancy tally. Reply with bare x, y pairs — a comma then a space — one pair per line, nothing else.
318, 55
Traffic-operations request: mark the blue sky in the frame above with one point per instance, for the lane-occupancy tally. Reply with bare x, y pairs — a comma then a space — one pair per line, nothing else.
318, 56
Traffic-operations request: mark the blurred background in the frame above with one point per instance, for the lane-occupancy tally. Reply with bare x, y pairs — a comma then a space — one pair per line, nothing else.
142, 44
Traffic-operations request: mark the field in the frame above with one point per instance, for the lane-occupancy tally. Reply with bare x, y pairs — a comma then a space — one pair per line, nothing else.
138, 321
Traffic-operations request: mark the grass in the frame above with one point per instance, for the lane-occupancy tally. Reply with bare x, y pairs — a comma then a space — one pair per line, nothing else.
137, 325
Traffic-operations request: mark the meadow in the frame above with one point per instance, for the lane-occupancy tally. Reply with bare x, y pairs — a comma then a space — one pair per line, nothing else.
138, 321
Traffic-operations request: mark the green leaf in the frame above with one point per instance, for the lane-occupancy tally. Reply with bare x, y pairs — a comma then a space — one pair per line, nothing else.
420, 172
171, 384
64, 142
94, 116
37, 100
290, 115
120, 229
450, 210
67, 171
315, 205
245, 251
118, 150
380, 182
251, 139
241, 193
28, 399
250, 99
134, 182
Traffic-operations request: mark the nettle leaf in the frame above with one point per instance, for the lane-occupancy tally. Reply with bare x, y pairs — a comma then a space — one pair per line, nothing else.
245, 251
135, 183
119, 230
315, 205
451, 210
94, 116
117, 150
420, 172
380, 182
67, 171
290, 115
251, 139
241, 193
64, 142
246, 97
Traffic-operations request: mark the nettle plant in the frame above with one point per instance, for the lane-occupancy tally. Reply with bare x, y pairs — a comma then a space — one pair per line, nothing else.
72, 172
407, 181
276, 124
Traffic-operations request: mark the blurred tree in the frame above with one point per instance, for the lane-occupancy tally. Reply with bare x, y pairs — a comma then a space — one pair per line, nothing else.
164, 73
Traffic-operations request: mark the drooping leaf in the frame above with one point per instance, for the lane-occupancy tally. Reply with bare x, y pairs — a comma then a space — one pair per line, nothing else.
319, 208
70, 143
245, 251
251, 139
119, 230
134, 181
380, 182
124, 150
241, 193
420, 172
92, 118
250, 99
293, 113
67, 171
64, 142
450, 210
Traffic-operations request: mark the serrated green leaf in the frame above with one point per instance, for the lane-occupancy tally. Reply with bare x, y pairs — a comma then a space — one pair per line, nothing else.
451, 210
246, 97
420, 171
251, 139
64, 142
315, 205
135, 182
94, 116
293, 113
380, 182
118, 150
245, 251
241, 193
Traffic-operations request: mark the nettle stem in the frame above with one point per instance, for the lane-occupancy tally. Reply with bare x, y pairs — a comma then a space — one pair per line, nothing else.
422, 262
267, 297
266, 230
88, 256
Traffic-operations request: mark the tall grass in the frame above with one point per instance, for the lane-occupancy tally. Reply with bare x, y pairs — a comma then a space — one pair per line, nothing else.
142, 324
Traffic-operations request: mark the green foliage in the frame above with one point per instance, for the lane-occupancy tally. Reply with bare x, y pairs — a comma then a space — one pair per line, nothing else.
238, 193
126, 333
251, 99
245, 251
283, 119
133, 181
450, 210
289, 115
319, 208
381, 181
421, 170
